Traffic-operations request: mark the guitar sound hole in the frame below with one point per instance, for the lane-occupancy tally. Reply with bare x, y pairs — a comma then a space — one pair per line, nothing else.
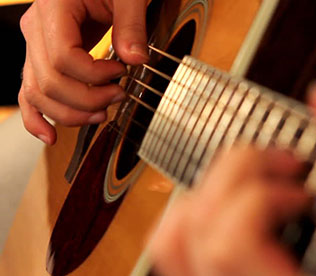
180, 46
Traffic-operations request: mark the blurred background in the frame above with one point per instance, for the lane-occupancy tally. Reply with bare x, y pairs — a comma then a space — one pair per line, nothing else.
18, 149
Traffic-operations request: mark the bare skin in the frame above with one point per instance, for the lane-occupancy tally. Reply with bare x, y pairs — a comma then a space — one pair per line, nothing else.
60, 79
226, 225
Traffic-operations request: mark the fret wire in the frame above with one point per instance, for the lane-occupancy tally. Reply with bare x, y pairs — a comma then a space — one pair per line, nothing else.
222, 132
211, 94
223, 97
277, 130
297, 113
271, 129
149, 139
244, 121
174, 144
184, 86
248, 131
248, 118
236, 128
151, 109
164, 108
288, 131
261, 122
234, 115
124, 134
197, 119
300, 115
211, 122
193, 161
259, 138
225, 94
161, 126
174, 123
299, 132
188, 113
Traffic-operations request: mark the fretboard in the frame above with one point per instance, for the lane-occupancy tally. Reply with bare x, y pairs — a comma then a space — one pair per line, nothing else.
204, 110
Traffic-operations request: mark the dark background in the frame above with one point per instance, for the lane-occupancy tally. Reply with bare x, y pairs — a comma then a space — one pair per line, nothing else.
12, 52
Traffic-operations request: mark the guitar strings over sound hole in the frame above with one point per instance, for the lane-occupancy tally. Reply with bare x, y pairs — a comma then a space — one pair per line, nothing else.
140, 119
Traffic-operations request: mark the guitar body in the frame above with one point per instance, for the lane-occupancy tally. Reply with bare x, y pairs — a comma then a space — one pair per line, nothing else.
221, 31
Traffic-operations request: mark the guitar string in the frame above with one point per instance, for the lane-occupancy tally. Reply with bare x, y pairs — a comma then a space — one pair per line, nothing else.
211, 100
191, 160
224, 108
139, 101
166, 77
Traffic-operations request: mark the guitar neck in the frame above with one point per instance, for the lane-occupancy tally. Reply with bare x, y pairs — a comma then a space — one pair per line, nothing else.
204, 110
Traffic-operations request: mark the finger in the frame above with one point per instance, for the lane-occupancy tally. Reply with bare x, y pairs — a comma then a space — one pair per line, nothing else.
228, 172
34, 121
170, 247
62, 88
264, 207
60, 113
287, 202
63, 40
255, 212
129, 31
283, 166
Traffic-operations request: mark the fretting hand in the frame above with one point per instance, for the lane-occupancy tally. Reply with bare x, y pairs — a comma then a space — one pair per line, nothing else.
226, 226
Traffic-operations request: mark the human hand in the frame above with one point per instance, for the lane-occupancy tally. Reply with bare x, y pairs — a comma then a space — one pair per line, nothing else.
60, 79
226, 225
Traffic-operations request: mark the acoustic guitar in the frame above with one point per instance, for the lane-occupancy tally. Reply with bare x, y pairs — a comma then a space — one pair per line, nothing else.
213, 67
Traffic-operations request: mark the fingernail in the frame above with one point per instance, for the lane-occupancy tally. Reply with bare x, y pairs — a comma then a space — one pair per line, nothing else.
44, 138
97, 118
118, 98
139, 49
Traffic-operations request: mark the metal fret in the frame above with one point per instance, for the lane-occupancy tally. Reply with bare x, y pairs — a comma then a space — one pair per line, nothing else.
210, 134
186, 134
288, 131
159, 122
256, 120
182, 129
204, 109
242, 115
176, 112
270, 126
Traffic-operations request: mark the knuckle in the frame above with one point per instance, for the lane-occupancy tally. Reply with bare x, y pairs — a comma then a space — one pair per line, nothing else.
28, 91
47, 86
58, 61
66, 118
24, 22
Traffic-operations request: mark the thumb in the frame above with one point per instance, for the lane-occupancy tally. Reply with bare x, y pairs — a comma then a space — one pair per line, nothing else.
129, 31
